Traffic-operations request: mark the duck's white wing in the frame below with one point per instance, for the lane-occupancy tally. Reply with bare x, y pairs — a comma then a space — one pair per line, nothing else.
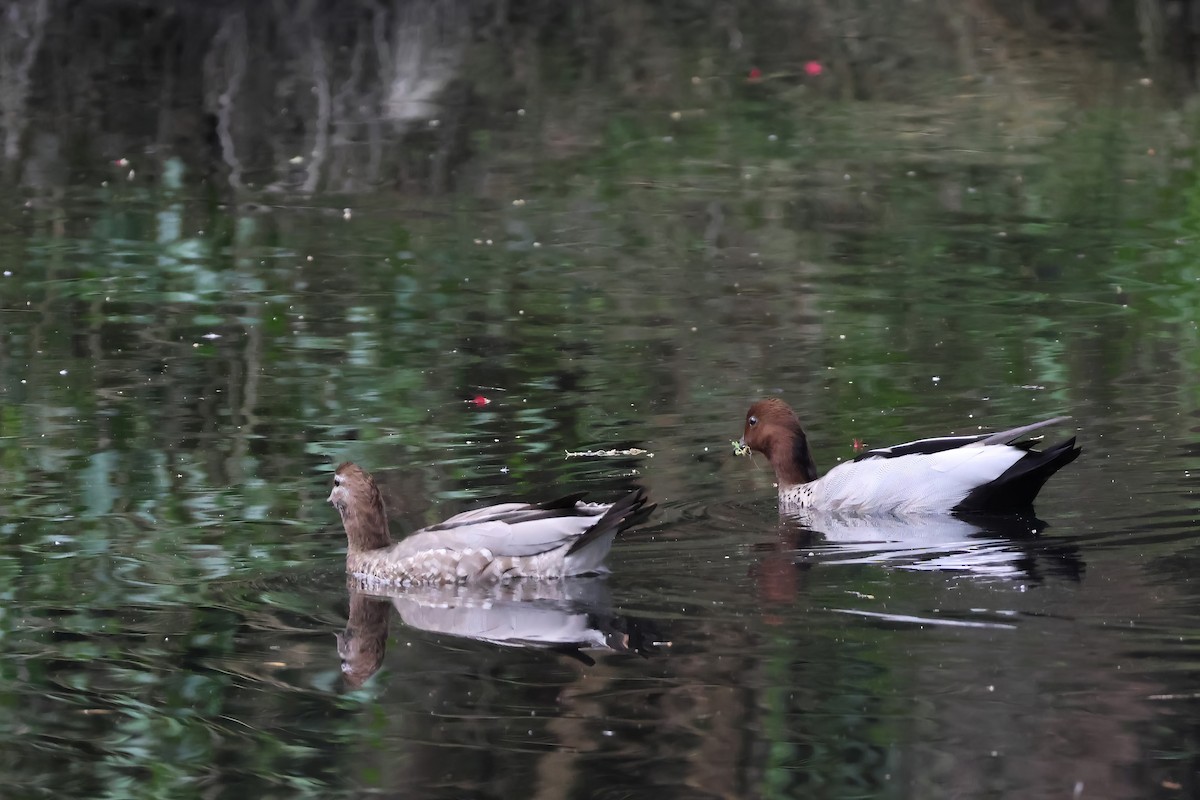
915, 483
526, 538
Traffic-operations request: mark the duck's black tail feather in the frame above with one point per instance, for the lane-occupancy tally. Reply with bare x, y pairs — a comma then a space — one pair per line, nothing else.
624, 513
1015, 489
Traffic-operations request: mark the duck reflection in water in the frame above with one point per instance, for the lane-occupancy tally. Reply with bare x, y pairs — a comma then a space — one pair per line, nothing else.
567, 616
980, 546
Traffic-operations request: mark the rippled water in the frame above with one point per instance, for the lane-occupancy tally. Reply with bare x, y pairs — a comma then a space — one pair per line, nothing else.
179, 375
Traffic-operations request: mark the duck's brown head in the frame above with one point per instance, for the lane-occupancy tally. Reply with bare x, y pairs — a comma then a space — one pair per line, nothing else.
774, 430
357, 500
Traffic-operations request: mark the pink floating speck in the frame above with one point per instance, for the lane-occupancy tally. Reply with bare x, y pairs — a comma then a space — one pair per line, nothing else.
479, 401
813, 68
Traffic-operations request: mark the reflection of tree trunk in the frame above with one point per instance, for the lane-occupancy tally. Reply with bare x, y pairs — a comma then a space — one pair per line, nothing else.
248, 388
1084, 730
960, 18
20, 40
839, 38
572, 726
225, 67
713, 715
322, 122
1153, 28
424, 58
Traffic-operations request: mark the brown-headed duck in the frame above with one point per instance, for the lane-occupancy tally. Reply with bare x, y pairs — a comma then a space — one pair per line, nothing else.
986, 472
555, 539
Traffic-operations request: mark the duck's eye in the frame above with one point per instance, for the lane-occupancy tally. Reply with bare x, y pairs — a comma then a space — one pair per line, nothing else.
753, 421
337, 480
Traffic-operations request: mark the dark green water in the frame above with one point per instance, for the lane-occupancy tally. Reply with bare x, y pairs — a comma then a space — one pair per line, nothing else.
618, 252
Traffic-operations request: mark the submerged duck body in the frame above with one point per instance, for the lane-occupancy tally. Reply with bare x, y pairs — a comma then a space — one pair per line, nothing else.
987, 472
512, 540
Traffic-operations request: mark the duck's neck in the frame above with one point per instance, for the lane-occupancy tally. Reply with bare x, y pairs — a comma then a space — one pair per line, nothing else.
793, 461
366, 524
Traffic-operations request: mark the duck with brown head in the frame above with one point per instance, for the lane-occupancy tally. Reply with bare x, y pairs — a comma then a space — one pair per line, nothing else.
988, 472
774, 430
533, 540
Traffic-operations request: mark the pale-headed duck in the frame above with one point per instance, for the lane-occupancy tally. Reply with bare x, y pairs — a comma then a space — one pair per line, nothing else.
986, 472
512, 540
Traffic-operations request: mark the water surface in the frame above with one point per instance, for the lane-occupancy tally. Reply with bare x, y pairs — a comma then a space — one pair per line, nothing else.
616, 248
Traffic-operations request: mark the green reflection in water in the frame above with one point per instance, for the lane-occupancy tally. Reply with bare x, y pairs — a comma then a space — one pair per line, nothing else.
180, 375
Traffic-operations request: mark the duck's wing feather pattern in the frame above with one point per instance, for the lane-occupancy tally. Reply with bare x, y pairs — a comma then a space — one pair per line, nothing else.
522, 538
918, 483
520, 530
513, 513
922, 447
942, 443
1012, 434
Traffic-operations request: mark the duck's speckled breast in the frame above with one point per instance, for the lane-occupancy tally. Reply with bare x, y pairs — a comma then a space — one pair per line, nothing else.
444, 565
793, 499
